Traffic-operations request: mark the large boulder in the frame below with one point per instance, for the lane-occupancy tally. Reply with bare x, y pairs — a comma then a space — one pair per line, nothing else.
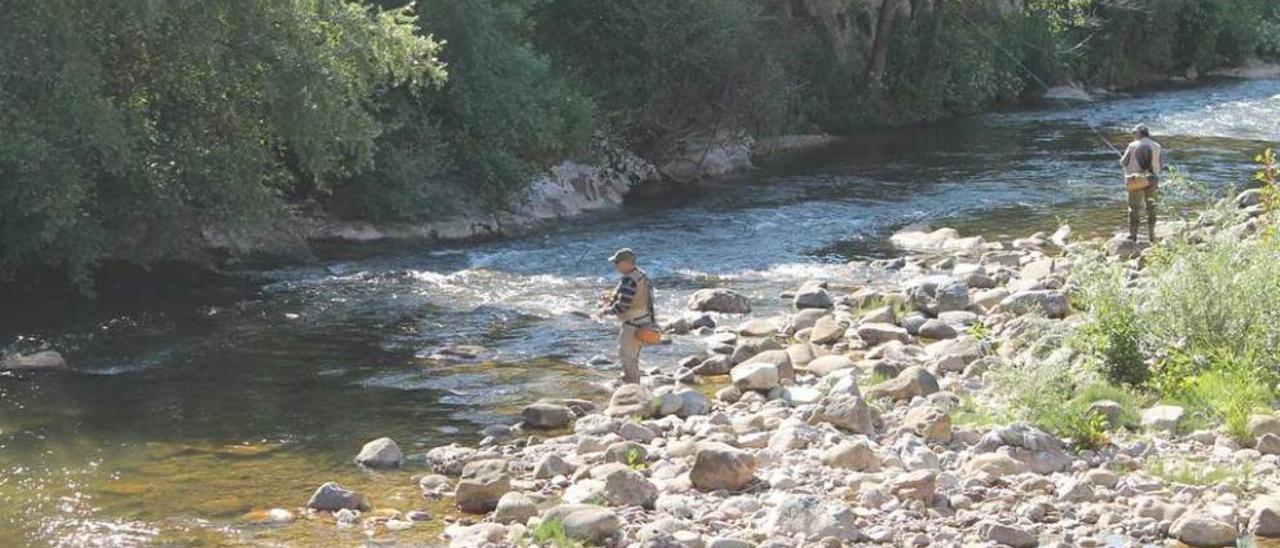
515, 507
47, 360
936, 294
1201, 529
1006, 535
911, 382
930, 423
857, 454
809, 517
1162, 417
936, 329
1265, 521
827, 330
586, 523
777, 358
719, 300
847, 412
717, 466
921, 238
631, 400
755, 376
624, 486
1124, 249
482, 484
546, 415
450, 459
1051, 304
877, 333
332, 497
829, 364
380, 453
1036, 449
812, 295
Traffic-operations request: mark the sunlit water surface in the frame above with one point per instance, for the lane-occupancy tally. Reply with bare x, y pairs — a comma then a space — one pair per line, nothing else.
181, 419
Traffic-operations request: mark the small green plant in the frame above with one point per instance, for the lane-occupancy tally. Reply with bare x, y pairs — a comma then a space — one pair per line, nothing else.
1076, 421
1101, 391
979, 331
1200, 474
1231, 392
551, 531
970, 413
635, 460
1268, 175
877, 377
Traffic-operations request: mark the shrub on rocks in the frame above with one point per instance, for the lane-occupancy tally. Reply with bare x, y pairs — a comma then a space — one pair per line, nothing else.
719, 300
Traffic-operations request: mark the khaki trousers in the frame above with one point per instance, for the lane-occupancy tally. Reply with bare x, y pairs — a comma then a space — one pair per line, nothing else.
1139, 200
629, 353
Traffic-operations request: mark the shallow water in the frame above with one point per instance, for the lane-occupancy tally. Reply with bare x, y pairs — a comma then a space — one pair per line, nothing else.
182, 417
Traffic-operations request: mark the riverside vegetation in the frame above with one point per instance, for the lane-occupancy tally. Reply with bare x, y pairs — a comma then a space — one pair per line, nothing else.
134, 130
1048, 390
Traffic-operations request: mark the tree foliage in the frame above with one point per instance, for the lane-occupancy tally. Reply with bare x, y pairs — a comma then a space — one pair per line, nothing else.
129, 125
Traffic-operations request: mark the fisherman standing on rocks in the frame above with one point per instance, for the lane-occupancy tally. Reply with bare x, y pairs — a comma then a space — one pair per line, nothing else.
1142, 163
632, 303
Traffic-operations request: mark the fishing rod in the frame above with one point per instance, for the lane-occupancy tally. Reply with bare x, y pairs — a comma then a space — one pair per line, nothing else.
1036, 78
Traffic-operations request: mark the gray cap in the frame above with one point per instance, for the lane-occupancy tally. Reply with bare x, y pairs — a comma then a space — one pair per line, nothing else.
1142, 128
624, 254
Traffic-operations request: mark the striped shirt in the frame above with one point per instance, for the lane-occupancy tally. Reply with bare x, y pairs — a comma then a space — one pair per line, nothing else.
631, 299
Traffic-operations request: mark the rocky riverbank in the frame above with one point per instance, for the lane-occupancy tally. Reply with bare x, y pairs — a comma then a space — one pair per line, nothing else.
860, 417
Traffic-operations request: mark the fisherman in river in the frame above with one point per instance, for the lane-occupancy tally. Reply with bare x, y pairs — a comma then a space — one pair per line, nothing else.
1142, 162
632, 303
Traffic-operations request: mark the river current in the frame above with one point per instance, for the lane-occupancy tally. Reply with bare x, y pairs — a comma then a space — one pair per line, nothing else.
179, 418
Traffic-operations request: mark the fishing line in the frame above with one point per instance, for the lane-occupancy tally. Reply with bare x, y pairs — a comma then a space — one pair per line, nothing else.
1036, 78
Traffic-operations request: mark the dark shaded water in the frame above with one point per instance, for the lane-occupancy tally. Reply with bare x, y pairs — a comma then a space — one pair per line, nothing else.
181, 417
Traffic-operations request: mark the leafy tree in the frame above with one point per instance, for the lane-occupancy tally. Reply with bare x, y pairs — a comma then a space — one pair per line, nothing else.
663, 69
130, 127
504, 112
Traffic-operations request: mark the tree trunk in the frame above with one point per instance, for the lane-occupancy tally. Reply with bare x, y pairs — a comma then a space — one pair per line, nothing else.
880, 47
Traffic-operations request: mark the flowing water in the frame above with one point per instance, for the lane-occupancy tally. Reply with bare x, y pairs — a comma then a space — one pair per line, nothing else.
180, 419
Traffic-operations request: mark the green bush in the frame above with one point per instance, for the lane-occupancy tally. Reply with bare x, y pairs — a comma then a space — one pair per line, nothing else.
664, 69
1113, 335
504, 113
129, 126
1230, 392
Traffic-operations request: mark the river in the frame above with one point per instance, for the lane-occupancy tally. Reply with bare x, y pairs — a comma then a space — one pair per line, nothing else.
180, 417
